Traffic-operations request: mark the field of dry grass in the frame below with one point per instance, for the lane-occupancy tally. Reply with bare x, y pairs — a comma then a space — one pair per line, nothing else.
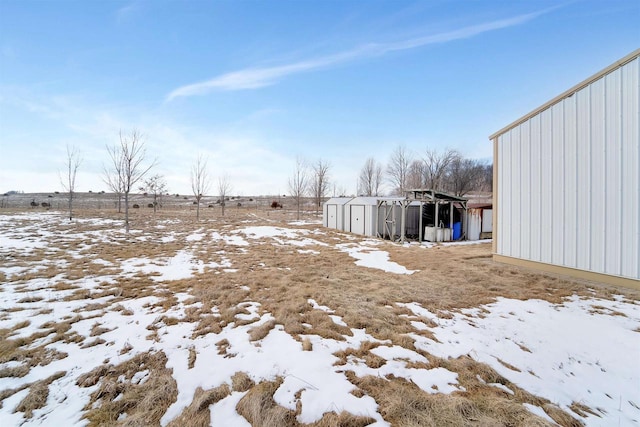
236, 319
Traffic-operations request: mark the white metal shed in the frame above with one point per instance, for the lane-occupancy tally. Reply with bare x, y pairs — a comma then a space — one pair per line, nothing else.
361, 216
333, 212
567, 184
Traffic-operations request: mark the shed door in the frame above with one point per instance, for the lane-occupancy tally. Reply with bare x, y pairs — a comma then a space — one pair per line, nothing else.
332, 213
357, 219
487, 220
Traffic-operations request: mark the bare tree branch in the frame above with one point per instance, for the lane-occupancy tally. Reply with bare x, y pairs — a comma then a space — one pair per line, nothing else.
113, 175
73, 162
437, 165
200, 181
128, 167
398, 169
320, 182
370, 178
298, 183
157, 187
224, 188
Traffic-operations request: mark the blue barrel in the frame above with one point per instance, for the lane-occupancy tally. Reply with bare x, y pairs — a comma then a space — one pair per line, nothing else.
457, 230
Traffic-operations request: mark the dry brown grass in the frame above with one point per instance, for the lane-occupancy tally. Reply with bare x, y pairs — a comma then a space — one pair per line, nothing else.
282, 280
259, 332
197, 414
307, 345
259, 408
144, 403
15, 371
240, 381
402, 403
37, 396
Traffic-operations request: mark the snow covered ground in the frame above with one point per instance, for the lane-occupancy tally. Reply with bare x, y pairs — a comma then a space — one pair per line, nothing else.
584, 350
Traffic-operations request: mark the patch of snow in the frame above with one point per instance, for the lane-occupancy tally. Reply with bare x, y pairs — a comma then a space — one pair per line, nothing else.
397, 352
567, 353
223, 413
230, 240
371, 258
536, 410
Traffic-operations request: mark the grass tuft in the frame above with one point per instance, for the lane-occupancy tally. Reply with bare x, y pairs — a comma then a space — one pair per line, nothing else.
240, 381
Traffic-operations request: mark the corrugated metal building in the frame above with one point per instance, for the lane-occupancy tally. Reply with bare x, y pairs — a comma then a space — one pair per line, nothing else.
362, 215
333, 212
566, 181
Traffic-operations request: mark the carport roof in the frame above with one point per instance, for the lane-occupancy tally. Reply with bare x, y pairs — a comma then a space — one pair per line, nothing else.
432, 196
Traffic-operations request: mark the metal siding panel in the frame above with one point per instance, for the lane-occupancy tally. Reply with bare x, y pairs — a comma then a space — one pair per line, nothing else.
546, 195
570, 187
583, 190
487, 220
536, 200
569, 180
516, 192
525, 190
506, 199
613, 165
499, 166
474, 221
332, 216
598, 155
557, 184
630, 97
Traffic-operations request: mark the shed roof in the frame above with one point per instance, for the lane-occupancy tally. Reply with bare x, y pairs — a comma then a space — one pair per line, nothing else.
372, 200
338, 201
633, 55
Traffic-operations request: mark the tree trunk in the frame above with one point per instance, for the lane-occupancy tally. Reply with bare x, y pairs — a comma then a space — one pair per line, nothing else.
70, 204
198, 210
126, 212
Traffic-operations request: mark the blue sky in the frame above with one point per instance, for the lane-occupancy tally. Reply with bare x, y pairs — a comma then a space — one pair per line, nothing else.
254, 84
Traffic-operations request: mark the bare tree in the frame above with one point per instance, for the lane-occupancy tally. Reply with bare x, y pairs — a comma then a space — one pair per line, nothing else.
298, 183
486, 182
437, 166
73, 162
157, 187
200, 181
133, 155
224, 188
465, 175
416, 175
398, 169
370, 178
320, 182
113, 175
339, 191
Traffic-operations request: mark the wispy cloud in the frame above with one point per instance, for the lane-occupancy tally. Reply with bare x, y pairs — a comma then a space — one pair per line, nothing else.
125, 13
253, 78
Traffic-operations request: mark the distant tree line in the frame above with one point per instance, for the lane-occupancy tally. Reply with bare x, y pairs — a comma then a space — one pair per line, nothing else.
447, 171
128, 166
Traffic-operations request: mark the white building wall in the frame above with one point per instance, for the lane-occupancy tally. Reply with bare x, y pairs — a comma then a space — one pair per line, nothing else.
568, 183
